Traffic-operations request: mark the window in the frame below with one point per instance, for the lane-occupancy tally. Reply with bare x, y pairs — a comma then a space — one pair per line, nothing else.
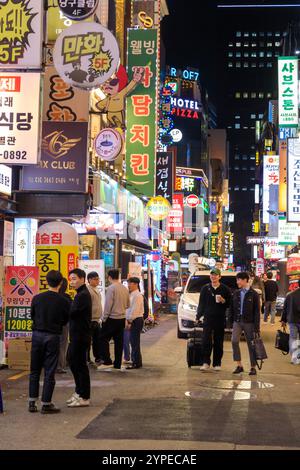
269, 65
269, 44
246, 64
254, 35
238, 65
237, 117
261, 94
238, 94
246, 54
253, 44
236, 157
253, 65
269, 35
261, 54
261, 65
252, 168
246, 35
269, 95
236, 167
261, 44
238, 44
244, 189
230, 54
245, 127
253, 116
260, 116
261, 34
277, 34
238, 54
244, 168
230, 44
238, 34
245, 94
244, 157
230, 64
269, 54
253, 54
246, 44
253, 95
252, 189
237, 126
236, 188
252, 157
277, 44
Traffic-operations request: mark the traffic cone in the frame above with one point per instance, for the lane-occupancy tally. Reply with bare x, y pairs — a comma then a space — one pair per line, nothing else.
1, 401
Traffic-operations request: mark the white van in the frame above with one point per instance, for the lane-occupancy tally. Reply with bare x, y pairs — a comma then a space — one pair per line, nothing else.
189, 300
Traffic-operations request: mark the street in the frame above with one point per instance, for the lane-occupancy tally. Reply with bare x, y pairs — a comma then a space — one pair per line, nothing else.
165, 405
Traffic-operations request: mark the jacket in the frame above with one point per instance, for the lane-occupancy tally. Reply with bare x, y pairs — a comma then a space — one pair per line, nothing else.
251, 308
81, 316
116, 302
291, 307
97, 311
271, 290
49, 312
213, 312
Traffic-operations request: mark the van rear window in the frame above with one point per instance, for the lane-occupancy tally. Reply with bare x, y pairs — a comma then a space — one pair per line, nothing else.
197, 282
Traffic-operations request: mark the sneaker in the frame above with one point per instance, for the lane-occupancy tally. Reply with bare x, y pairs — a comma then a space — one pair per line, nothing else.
252, 371
32, 408
74, 397
217, 368
79, 402
126, 362
238, 370
204, 367
104, 367
61, 371
49, 409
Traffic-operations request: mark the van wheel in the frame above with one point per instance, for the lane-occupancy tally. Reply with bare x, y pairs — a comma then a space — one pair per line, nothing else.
181, 335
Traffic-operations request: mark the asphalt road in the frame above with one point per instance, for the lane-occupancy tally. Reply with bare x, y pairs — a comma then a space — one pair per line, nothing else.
165, 405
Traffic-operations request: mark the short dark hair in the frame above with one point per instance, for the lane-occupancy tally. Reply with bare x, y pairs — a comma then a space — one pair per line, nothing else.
114, 274
92, 275
269, 275
78, 272
134, 280
54, 278
243, 275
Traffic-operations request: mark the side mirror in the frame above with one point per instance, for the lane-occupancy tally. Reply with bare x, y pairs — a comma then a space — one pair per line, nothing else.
178, 290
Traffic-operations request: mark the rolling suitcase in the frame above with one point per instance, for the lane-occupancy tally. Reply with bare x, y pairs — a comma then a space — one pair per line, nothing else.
195, 348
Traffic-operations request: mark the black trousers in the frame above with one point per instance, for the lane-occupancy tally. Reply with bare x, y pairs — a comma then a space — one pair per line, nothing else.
95, 341
213, 339
77, 358
135, 341
112, 329
44, 354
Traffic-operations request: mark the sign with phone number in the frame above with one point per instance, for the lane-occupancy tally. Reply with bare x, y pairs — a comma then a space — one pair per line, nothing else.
18, 319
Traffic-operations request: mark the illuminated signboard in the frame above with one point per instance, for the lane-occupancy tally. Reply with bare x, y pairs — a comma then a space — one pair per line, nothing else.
185, 108
288, 91
271, 176
186, 74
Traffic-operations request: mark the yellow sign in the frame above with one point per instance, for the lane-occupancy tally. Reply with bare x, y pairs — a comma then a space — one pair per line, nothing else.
60, 258
158, 208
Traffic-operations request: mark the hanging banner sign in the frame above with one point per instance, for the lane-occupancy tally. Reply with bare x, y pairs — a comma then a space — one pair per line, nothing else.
158, 208
86, 55
77, 9
287, 233
272, 249
108, 144
164, 175
5, 180
141, 112
271, 176
293, 181
19, 117
282, 175
21, 34
175, 218
288, 91
57, 21
63, 165
61, 101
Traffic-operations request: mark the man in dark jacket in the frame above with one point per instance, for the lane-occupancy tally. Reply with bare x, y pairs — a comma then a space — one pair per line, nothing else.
245, 317
291, 315
49, 313
271, 291
214, 300
80, 339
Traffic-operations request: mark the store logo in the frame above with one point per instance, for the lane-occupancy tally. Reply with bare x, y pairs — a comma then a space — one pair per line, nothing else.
10, 84
57, 145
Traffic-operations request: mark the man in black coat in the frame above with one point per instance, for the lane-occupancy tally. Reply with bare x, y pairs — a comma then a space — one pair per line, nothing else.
49, 313
245, 317
80, 339
214, 300
291, 315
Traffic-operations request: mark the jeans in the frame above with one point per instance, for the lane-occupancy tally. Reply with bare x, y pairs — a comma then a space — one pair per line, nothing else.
270, 308
95, 330
112, 329
44, 354
238, 328
77, 358
63, 348
213, 339
135, 341
126, 345
294, 343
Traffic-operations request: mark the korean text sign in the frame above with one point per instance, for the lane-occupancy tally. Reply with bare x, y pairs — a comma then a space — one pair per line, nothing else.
271, 176
175, 218
63, 165
19, 118
21, 34
164, 175
21, 284
288, 91
293, 181
141, 112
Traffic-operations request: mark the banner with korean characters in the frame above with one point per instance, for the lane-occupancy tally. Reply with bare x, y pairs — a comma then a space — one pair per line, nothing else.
21, 284
63, 102
78, 9
164, 175
21, 34
57, 21
293, 180
141, 112
288, 91
56, 248
63, 165
19, 118
175, 217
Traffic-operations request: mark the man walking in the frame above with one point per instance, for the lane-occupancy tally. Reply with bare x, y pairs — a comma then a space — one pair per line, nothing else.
214, 300
291, 315
49, 313
135, 321
113, 321
245, 317
271, 291
80, 339
93, 283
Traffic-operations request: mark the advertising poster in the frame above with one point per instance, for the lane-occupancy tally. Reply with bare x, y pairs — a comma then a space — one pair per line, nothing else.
63, 102
141, 112
63, 165
57, 21
21, 34
97, 266
19, 117
21, 284
86, 55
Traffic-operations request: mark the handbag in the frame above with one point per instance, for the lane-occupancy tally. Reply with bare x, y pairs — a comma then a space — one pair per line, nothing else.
259, 351
282, 341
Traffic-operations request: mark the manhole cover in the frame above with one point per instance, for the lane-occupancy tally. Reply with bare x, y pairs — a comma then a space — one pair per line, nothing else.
236, 384
220, 395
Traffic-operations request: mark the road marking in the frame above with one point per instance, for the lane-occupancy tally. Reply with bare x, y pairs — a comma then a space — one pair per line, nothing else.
18, 376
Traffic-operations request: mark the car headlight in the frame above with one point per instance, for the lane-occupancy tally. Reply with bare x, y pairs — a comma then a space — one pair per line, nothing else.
188, 306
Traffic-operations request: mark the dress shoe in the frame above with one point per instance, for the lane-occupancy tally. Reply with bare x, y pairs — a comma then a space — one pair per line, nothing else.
32, 408
252, 371
49, 409
238, 370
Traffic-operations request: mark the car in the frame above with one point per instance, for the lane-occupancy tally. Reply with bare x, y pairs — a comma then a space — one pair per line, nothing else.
189, 300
